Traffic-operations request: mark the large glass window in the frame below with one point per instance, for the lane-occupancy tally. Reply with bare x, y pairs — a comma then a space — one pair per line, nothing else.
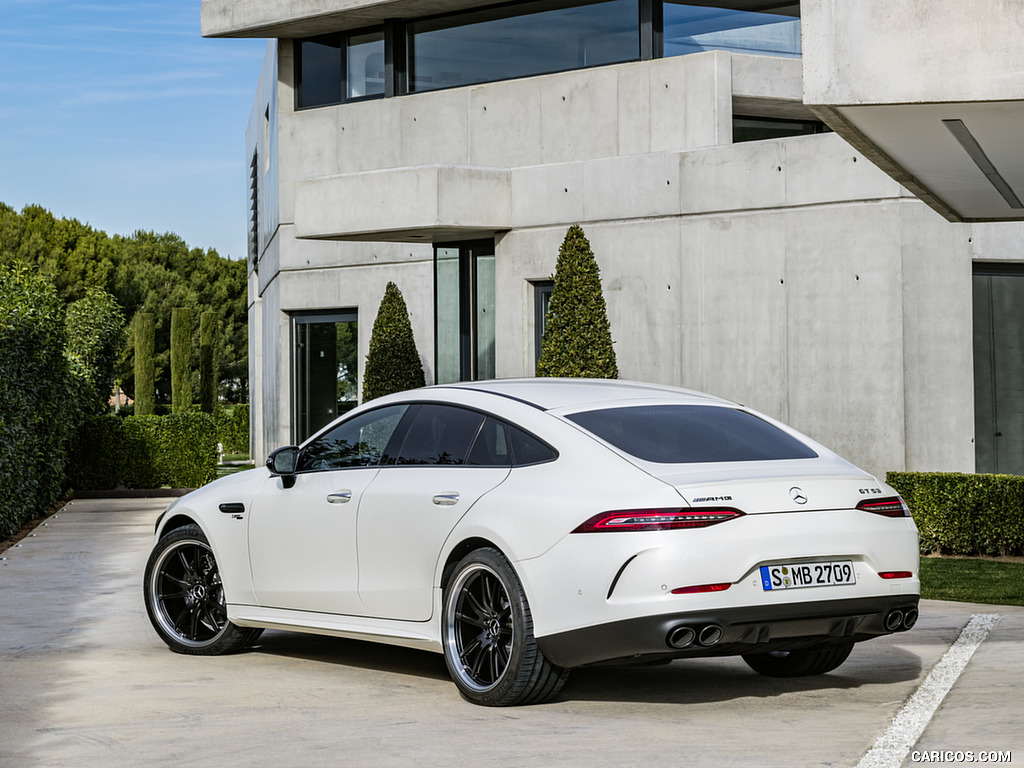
999, 368
519, 40
464, 311
695, 28
326, 369
332, 69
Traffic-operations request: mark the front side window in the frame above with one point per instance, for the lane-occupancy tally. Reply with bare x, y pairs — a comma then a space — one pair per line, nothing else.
520, 40
358, 442
686, 434
695, 28
332, 69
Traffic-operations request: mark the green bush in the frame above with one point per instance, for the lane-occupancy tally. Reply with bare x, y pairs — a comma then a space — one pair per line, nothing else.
181, 359
233, 428
36, 397
393, 364
145, 364
962, 514
577, 336
179, 450
207, 368
95, 336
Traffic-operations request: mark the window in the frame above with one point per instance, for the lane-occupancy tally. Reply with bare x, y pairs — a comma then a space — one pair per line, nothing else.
999, 368
519, 40
761, 128
541, 299
503, 445
326, 367
332, 69
464, 311
439, 434
695, 28
533, 37
685, 434
358, 442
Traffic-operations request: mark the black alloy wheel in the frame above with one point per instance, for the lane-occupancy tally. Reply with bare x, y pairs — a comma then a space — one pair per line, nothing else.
184, 597
488, 636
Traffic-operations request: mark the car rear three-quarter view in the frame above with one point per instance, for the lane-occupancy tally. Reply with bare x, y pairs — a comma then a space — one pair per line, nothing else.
526, 527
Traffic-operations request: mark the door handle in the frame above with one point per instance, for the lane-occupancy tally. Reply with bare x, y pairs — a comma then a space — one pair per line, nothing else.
446, 499
339, 497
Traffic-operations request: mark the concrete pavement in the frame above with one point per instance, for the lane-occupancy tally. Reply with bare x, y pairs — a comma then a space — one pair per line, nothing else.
85, 681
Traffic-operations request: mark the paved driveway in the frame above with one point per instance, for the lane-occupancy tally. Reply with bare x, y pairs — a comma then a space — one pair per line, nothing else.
84, 681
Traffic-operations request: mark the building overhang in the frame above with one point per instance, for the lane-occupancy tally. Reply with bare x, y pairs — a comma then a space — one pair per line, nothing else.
433, 203
931, 92
308, 18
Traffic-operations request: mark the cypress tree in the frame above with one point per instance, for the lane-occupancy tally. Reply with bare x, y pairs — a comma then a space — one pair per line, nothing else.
207, 369
181, 359
393, 364
145, 368
577, 336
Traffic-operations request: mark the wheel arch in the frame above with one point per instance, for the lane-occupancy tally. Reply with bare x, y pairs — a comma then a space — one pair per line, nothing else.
459, 551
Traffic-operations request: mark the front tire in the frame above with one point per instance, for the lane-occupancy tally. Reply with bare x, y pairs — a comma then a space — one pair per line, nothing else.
185, 597
802, 663
488, 639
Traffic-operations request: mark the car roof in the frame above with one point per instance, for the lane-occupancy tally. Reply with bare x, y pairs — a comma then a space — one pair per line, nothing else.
555, 393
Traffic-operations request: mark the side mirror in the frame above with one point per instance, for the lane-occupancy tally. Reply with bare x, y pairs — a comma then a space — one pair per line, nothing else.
283, 462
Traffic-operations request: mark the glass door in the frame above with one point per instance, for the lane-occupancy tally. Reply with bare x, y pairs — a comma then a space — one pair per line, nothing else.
326, 369
464, 329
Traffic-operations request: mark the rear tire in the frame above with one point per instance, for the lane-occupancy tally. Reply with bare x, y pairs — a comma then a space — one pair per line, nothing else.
185, 597
487, 631
802, 663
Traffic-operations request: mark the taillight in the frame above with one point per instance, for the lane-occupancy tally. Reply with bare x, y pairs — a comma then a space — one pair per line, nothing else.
656, 519
894, 507
896, 574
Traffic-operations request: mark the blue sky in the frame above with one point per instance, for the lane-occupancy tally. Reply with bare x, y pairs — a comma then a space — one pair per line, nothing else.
119, 114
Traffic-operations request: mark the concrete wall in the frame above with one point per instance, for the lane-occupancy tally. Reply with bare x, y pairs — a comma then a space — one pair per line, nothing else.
912, 51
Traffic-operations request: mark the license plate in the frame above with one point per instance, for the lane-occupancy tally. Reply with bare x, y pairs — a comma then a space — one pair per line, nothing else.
798, 575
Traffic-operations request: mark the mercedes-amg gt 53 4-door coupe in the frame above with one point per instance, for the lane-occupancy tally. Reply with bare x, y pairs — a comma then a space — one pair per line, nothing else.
526, 527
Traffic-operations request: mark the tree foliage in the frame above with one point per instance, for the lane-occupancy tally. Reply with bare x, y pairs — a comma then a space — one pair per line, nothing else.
36, 397
207, 371
577, 339
95, 337
181, 359
144, 272
393, 364
145, 365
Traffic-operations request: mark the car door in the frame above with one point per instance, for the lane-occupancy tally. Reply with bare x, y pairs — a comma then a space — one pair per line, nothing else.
302, 539
449, 458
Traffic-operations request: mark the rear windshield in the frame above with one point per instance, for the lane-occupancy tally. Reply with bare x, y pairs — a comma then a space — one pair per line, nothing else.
686, 434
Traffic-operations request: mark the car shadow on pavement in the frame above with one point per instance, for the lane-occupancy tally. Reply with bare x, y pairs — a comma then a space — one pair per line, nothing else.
698, 681
690, 681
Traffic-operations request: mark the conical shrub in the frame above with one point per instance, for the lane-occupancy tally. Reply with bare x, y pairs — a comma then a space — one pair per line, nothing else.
577, 339
393, 364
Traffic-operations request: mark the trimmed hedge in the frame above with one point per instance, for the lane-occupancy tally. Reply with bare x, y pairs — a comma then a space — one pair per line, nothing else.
37, 397
179, 450
962, 514
233, 428
393, 364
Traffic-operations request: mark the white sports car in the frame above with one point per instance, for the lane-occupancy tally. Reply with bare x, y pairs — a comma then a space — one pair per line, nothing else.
526, 527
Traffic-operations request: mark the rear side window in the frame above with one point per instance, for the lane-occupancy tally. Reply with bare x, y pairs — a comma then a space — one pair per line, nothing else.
687, 434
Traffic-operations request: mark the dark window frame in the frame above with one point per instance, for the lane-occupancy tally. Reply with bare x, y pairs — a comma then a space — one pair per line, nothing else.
344, 38
309, 317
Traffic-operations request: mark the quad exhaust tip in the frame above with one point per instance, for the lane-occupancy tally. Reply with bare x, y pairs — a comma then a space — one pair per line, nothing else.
683, 636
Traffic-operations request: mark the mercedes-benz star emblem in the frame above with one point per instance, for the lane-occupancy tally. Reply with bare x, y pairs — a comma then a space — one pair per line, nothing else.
797, 494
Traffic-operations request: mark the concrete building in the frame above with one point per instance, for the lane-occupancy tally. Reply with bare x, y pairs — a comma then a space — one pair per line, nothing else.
858, 284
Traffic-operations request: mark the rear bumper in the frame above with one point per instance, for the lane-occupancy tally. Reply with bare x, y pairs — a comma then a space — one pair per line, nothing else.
755, 629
